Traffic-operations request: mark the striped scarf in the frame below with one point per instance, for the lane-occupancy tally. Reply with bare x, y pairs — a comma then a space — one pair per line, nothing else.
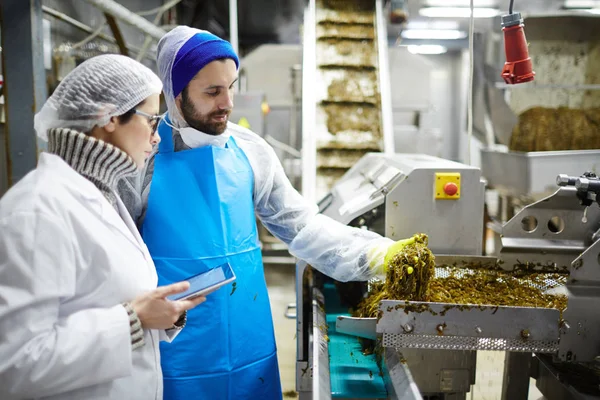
100, 162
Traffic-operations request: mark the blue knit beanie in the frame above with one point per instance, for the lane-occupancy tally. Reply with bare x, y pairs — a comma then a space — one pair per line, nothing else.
200, 50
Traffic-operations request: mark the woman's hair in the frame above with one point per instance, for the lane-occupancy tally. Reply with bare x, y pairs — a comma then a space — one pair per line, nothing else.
126, 116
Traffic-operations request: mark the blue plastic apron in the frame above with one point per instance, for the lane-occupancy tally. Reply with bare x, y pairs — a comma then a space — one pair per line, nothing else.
201, 214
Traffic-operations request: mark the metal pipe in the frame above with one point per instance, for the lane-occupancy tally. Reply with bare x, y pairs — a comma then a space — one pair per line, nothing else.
81, 26
309, 104
233, 30
387, 123
159, 13
125, 15
84, 28
233, 25
156, 10
148, 38
116, 31
295, 73
96, 33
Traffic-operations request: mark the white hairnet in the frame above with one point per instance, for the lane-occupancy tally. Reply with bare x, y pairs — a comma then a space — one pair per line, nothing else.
102, 87
167, 50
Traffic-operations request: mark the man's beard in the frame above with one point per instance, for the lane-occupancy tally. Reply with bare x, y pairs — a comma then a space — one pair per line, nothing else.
198, 121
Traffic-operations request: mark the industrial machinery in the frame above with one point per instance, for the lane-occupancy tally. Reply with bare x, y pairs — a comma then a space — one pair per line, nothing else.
428, 349
396, 196
521, 162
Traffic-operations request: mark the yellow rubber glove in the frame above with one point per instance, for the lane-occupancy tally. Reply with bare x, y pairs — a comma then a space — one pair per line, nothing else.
395, 249
381, 256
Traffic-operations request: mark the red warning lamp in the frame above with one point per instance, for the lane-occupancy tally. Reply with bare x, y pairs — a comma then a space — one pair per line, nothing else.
518, 67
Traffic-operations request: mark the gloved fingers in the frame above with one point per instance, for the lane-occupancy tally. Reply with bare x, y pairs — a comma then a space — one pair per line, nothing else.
375, 256
396, 248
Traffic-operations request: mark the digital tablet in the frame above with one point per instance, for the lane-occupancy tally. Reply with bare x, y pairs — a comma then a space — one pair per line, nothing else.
206, 282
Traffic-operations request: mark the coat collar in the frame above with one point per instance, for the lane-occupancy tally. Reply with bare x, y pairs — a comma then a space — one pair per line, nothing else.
119, 221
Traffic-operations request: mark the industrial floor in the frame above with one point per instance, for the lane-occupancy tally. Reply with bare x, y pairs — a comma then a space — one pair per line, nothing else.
281, 284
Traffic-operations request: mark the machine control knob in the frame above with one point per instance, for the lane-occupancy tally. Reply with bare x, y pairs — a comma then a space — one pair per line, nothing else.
582, 183
565, 180
450, 188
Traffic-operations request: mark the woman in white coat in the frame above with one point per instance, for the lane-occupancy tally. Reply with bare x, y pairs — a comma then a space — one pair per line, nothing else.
80, 313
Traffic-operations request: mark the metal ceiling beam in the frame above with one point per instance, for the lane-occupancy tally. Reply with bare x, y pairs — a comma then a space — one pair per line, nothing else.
87, 29
118, 11
24, 82
114, 27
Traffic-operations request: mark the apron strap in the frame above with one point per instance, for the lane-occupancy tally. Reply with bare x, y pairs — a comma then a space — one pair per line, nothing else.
166, 135
231, 144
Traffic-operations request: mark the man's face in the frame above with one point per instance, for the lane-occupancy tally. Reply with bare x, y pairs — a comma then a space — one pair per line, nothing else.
207, 100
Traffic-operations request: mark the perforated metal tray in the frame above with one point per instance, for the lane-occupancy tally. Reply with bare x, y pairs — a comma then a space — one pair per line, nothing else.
463, 327
424, 325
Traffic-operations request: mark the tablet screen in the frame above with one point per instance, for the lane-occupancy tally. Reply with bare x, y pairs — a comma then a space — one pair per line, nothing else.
205, 281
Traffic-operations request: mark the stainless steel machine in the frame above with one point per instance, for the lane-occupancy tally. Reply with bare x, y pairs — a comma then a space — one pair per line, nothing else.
561, 232
431, 354
396, 196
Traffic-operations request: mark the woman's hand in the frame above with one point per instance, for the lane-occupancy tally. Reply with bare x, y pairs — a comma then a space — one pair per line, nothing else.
155, 311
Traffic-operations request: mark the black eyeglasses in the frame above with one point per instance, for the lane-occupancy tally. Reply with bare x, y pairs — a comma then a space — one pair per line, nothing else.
153, 120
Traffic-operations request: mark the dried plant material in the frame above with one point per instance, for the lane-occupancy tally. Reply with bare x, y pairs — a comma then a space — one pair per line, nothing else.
496, 288
344, 17
592, 140
347, 89
553, 129
348, 85
346, 53
338, 158
333, 173
329, 30
352, 119
407, 277
349, 5
366, 141
346, 11
522, 287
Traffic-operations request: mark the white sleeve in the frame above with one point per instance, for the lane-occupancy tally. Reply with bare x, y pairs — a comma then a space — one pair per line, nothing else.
337, 250
41, 352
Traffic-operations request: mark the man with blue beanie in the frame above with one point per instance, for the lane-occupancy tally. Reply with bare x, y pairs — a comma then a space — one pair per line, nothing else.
196, 204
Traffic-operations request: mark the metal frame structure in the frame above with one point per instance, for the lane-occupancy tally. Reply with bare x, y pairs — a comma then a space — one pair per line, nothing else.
25, 77
24, 82
312, 75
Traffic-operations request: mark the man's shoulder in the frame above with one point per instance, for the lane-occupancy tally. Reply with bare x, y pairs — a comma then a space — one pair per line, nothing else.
239, 132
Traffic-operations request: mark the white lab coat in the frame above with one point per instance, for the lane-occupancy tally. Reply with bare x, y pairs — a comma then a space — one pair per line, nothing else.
67, 262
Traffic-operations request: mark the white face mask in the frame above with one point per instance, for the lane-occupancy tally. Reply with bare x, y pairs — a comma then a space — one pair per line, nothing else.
195, 138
